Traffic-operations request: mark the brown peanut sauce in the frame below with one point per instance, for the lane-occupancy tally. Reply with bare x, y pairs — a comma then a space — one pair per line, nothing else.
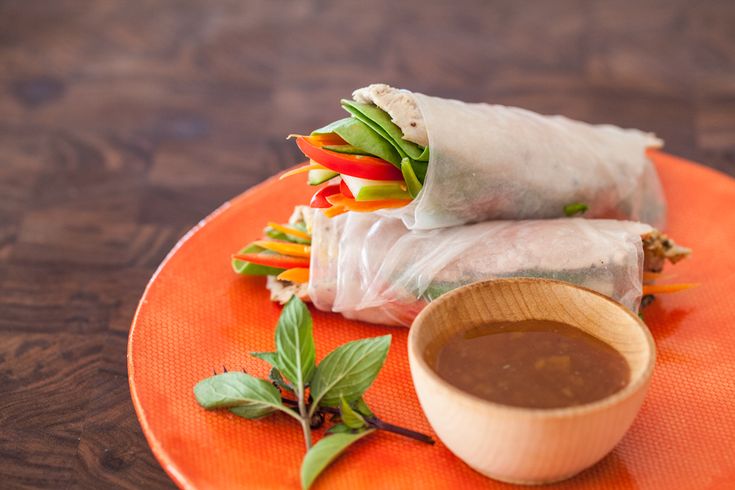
531, 364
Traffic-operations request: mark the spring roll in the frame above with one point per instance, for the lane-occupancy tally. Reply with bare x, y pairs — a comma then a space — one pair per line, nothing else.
435, 163
373, 268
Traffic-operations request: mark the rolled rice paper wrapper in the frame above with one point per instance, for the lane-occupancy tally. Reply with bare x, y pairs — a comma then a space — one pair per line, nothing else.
493, 162
374, 269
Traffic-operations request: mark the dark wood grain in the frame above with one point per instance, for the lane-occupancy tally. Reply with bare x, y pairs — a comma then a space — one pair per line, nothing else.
123, 123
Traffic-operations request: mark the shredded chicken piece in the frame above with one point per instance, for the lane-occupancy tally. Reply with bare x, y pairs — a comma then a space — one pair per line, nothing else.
282, 291
401, 107
658, 248
302, 214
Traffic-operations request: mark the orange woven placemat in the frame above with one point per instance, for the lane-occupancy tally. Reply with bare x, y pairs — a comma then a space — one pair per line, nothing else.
196, 315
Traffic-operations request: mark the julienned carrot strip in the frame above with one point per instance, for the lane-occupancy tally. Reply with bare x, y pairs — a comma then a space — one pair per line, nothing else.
365, 206
334, 211
651, 276
297, 274
666, 288
285, 248
289, 231
302, 169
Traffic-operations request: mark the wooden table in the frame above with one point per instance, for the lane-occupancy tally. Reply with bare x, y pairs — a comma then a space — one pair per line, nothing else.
123, 123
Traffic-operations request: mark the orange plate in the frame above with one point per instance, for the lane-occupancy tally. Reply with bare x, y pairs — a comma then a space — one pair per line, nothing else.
196, 315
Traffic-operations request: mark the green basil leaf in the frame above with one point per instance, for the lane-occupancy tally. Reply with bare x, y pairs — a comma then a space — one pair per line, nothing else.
424, 157
275, 377
252, 412
324, 452
350, 417
360, 135
349, 370
329, 128
575, 208
269, 357
409, 176
339, 429
420, 169
380, 121
362, 408
295, 344
253, 397
275, 374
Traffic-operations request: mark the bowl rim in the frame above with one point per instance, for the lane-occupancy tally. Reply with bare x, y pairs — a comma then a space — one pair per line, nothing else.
565, 412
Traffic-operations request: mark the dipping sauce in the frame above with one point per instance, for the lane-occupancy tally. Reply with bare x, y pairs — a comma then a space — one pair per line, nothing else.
532, 364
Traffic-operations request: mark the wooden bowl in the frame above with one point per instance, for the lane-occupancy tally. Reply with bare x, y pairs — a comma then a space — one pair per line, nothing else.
524, 445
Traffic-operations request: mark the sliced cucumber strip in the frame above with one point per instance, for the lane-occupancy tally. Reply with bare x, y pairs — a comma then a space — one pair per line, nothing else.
376, 190
250, 269
316, 177
382, 192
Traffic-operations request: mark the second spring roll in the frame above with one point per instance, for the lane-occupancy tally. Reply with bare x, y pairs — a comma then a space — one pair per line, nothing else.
374, 269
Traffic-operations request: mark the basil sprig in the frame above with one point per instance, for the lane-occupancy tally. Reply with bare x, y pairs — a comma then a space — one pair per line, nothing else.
335, 387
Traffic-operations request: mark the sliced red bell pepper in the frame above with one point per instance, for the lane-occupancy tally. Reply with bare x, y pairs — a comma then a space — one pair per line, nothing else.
345, 190
272, 260
362, 166
319, 199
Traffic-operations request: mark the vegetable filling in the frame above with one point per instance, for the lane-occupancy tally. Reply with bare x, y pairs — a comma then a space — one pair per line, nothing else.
364, 162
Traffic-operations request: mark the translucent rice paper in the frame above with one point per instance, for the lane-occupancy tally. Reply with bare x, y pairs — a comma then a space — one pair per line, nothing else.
374, 269
492, 162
